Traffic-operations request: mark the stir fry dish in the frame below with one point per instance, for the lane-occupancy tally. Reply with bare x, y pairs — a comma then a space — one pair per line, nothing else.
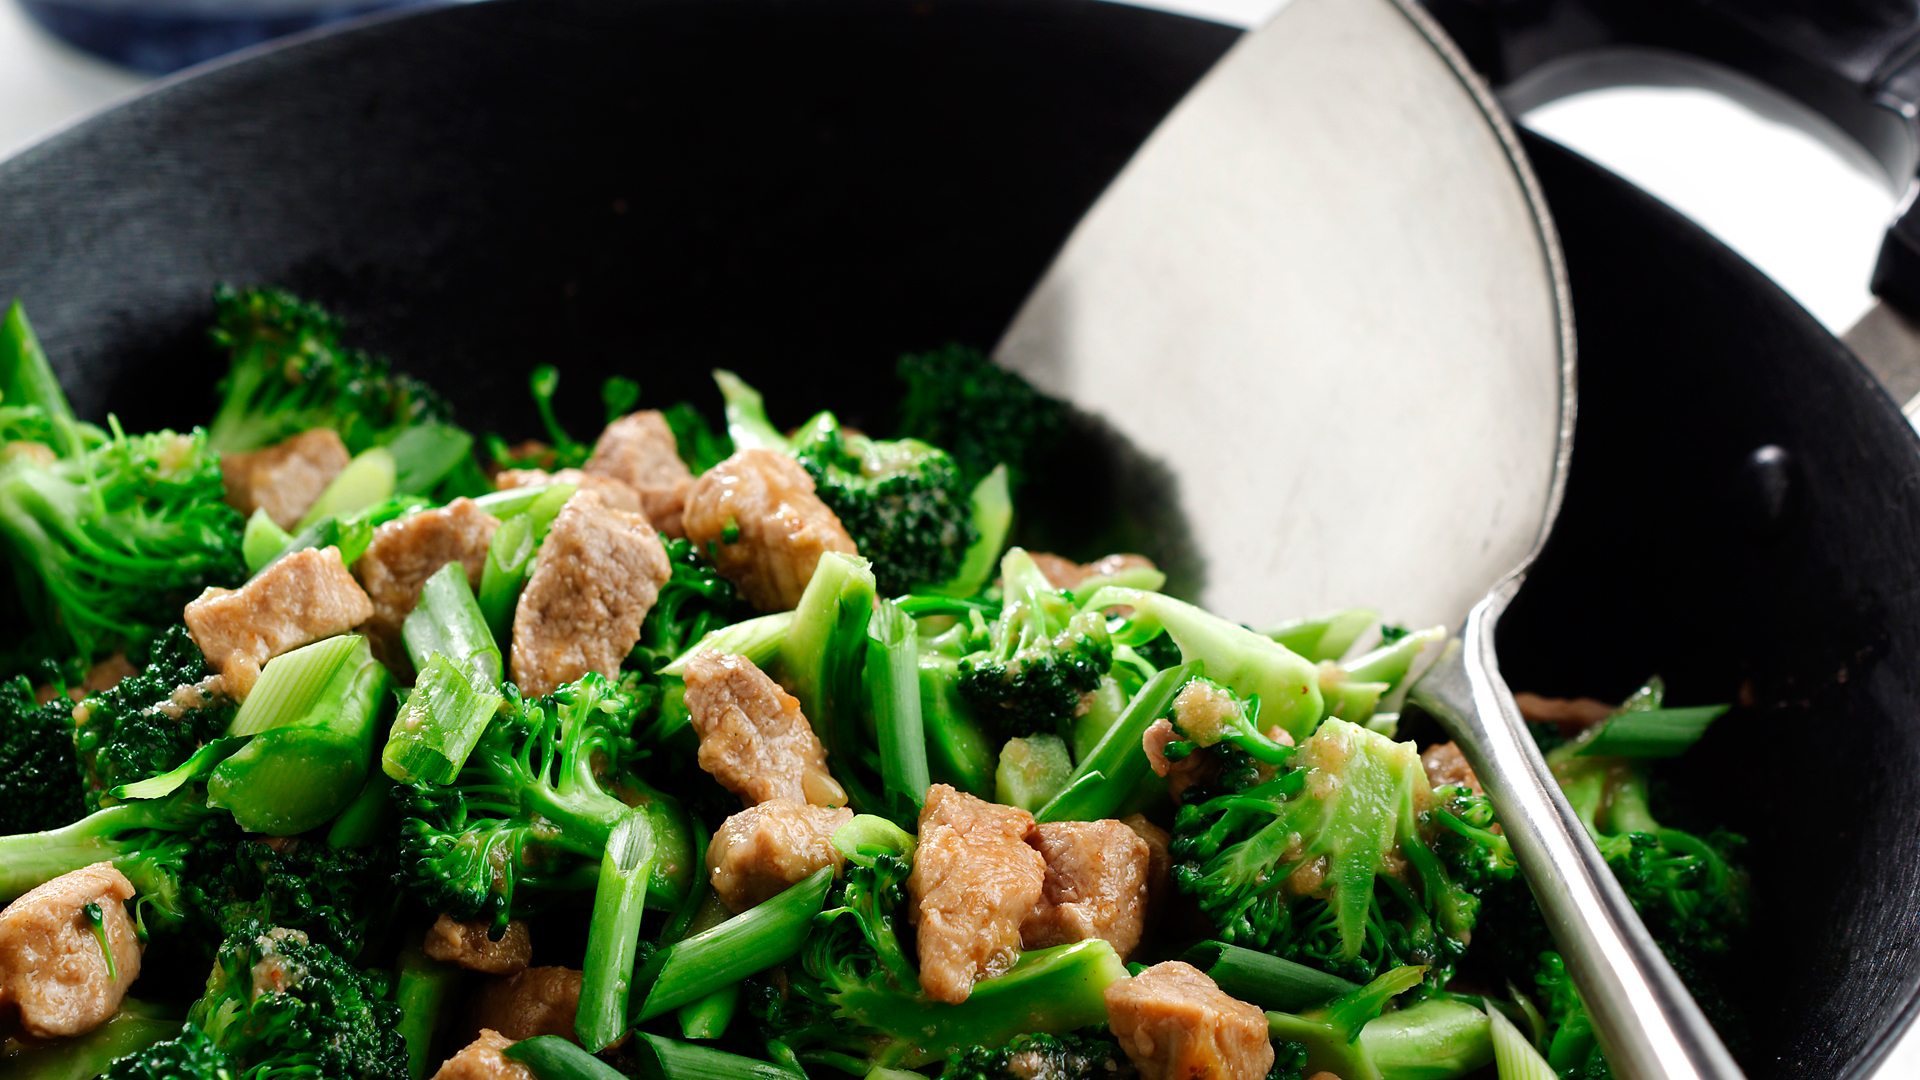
340, 742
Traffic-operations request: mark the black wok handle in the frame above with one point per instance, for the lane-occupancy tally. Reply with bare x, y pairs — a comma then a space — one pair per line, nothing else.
1855, 62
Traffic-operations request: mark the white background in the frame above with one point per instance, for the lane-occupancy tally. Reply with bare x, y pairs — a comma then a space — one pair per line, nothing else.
1804, 214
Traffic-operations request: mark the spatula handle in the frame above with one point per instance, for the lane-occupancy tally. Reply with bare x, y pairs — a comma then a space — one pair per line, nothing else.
1647, 1023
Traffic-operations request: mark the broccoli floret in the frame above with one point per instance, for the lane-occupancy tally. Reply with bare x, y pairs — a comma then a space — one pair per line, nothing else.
333, 895
1292, 864
151, 842
699, 445
278, 1004
982, 414
1040, 656
188, 1056
533, 807
291, 373
1571, 1047
852, 1001
108, 545
39, 774
1028, 1057
905, 503
124, 735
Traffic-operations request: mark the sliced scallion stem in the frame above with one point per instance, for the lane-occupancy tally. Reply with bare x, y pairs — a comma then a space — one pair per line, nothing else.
892, 675
754, 940
510, 557
613, 935
1118, 757
554, 1058
290, 684
1267, 981
708, 1017
672, 1059
438, 726
1652, 733
425, 453
367, 479
262, 542
756, 639
1513, 1056
447, 620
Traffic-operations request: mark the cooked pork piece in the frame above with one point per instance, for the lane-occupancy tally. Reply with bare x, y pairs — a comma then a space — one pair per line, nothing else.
600, 570
284, 479
1445, 764
753, 738
757, 516
1572, 715
1159, 861
1096, 885
639, 450
467, 944
54, 975
974, 882
613, 492
299, 600
760, 851
537, 1001
403, 554
1196, 768
481, 1059
1176, 1024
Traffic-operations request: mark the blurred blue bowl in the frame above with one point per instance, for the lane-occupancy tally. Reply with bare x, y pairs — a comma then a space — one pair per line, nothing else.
160, 36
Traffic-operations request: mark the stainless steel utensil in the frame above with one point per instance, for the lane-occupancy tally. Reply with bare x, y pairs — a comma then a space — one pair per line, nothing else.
1418, 309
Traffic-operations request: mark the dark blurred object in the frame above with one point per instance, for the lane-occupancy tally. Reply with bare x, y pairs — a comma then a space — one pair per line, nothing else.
161, 36
1854, 62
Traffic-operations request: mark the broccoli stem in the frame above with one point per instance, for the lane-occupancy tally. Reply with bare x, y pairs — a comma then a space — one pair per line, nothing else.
892, 675
1249, 663
424, 454
1049, 990
993, 518
425, 992
368, 819
613, 935
747, 423
447, 620
27, 379
756, 639
1118, 764
754, 940
824, 653
1326, 636
957, 752
262, 542
122, 835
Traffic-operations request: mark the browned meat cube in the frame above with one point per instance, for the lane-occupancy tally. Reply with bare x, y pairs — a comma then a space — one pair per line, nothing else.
753, 738
1196, 768
301, 599
53, 973
537, 1001
613, 492
403, 554
481, 1059
1175, 1024
286, 478
758, 517
761, 850
974, 881
101, 677
1067, 574
599, 572
1159, 861
1445, 764
467, 944
1570, 715
1096, 885
639, 450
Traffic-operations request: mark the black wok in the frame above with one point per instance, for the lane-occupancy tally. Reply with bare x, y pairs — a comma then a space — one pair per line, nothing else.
803, 190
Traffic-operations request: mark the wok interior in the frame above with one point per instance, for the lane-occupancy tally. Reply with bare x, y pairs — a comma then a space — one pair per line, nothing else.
802, 192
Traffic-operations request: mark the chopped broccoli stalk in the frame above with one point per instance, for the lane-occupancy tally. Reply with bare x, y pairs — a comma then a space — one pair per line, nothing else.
262, 542
427, 454
1032, 771
318, 711
1293, 865
1438, 1038
1252, 664
1326, 636
824, 655
290, 373
1040, 656
532, 799
27, 383
426, 990
983, 414
892, 683
958, 752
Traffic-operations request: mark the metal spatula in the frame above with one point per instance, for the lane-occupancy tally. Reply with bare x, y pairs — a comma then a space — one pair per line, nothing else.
1331, 259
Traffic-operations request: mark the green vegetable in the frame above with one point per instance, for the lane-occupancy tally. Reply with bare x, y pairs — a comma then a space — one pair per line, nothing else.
317, 712
1117, 765
1266, 981
892, 683
1327, 636
368, 480
1032, 771
39, 773
1056, 1057
425, 989
761, 937
1349, 808
136, 1026
984, 415
1438, 1038
510, 557
447, 620
529, 815
1040, 655
438, 725
27, 383
149, 842
290, 373
619, 902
